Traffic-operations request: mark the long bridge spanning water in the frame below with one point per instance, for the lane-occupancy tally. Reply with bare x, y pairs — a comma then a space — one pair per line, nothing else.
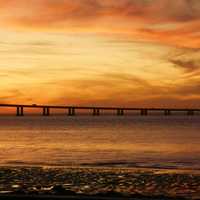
96, 111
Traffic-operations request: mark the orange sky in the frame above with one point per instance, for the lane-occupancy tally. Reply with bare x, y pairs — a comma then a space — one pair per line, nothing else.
100, 52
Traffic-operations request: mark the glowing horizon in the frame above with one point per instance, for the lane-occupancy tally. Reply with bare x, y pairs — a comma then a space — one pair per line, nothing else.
100, 52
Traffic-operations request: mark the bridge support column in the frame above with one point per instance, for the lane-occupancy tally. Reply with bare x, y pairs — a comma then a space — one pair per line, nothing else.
190, 112
71, 111
120, 112
20, 111
144, 112
96, 112
167, 112
46, 111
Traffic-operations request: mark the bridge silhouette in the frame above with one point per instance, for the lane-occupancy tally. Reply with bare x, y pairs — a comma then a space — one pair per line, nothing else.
96, 111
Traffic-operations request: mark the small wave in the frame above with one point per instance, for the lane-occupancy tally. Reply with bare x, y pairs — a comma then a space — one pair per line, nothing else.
115, 164
175, 165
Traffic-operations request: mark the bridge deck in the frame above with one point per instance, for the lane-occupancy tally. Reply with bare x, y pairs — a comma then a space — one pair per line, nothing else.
96, 109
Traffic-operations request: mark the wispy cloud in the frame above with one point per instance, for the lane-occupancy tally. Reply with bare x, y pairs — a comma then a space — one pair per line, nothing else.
186, 59
145, 19
51, 10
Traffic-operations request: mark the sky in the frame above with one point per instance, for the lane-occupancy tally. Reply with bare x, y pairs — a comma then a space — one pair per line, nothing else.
100, 52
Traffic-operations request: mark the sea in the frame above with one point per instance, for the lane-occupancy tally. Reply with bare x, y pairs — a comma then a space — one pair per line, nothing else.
168, 142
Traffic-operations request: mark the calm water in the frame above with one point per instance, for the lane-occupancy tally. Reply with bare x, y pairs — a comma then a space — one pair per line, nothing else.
153, 141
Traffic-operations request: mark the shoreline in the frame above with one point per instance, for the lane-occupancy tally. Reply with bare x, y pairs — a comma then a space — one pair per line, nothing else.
168, 170
99, 182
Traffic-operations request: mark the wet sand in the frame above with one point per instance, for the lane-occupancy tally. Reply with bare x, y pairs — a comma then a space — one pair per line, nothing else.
99, 182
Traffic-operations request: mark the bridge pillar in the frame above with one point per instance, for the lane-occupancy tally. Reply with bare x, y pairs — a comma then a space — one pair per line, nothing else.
96, 112
167, 112
71, 111
144, 112
46, 111
120, 112
190, 112
20, 111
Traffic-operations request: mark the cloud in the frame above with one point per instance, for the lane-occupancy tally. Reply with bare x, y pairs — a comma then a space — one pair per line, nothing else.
124, 78
110, 89
179, 10
11, 95
143, 18
47, 12
187, 59
165, 21
123, 37
187, 65
189, 89
104, 89
36, 13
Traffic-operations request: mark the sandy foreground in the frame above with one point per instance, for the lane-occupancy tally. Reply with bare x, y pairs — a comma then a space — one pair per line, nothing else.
98, 183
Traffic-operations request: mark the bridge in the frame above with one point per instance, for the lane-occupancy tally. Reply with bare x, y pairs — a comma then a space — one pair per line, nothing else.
96, 111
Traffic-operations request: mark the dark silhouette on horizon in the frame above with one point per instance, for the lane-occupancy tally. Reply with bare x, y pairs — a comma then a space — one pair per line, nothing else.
96, 110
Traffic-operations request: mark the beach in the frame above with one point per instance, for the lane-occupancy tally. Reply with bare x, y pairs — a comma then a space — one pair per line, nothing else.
98, 181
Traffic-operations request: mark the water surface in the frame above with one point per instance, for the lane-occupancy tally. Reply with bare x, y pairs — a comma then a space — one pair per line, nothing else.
143, 141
